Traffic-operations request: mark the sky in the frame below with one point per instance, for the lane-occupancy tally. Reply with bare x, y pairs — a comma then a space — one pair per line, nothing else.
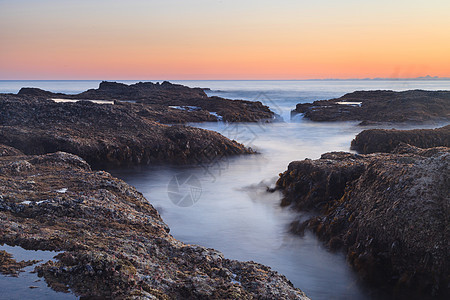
223, 39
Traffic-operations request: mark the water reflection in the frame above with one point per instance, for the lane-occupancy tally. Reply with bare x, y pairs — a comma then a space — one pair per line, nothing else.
19, 287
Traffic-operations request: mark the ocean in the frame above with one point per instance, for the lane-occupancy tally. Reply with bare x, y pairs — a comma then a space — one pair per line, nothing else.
223, 203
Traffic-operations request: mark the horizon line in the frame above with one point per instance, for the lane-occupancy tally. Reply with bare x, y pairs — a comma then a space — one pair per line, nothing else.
308, 79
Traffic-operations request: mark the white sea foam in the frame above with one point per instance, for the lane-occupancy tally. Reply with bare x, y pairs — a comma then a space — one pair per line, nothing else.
219, 117
350, 103
60, 100
186, 107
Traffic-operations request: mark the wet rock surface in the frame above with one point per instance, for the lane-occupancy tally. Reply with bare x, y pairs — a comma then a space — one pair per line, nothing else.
380, 107
388, 212
115, 243
382, 140
104, 134
193, 104
9, 266
9, 151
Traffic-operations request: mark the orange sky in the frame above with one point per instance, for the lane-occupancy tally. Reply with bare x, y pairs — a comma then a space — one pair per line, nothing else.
208, 39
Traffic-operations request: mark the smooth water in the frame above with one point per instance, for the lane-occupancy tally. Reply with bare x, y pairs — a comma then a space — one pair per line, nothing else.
223, 203
28, 285
236, 215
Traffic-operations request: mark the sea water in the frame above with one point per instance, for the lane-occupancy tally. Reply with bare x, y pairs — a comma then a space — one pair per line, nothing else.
223, 203
27, 284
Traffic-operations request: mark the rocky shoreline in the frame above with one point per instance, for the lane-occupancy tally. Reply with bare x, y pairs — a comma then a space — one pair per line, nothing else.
115, 243
388, 212
382, 140
373, 107
105, 134
169, 103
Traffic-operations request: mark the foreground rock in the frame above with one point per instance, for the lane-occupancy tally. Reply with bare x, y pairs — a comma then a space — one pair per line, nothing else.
380, 106
104, 134
193, 104
381, 140
115, 243
389, 212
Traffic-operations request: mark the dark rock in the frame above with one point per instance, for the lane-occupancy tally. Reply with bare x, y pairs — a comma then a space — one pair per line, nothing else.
161, 97
37, 92
372, 107
389, 212
312, 184
9, 151
104, 134
381, 140
115, 243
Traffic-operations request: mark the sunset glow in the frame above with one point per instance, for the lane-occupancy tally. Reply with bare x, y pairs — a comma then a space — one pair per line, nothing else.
208, 39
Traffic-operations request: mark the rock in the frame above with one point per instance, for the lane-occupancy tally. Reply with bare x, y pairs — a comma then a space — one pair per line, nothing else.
38, 92
9, 151
306, 181
159, 93
373, 107
389, 212
9, 266
181, 103
104, 134
115, 243
381, 140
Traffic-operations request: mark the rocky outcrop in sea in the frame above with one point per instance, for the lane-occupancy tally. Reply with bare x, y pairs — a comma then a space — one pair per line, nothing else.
388, 211
382, 140
370, 107
114, 243
105, 134
166, 97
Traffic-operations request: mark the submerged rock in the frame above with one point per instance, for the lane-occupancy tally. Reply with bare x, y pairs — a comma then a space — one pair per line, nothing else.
104, 134
382, 140
380, 107
115, 243
389, 212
